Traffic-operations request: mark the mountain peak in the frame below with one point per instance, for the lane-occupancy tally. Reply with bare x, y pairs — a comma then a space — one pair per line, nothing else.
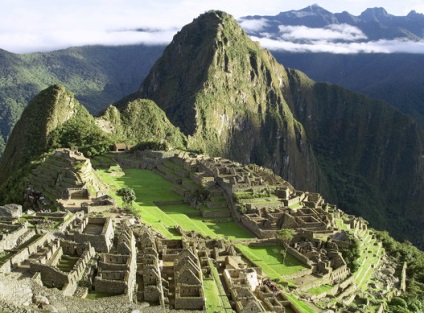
375, 14
185, 64
221, 89
313, 16
45, 112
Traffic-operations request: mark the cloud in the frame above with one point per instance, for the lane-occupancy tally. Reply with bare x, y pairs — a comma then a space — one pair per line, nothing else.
343, 32
24, 42
325, 46
255, 25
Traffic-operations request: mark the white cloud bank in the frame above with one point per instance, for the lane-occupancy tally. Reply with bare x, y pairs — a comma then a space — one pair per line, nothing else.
45, 25
325, 46
335, 38
53, 40
343, 32
255, 25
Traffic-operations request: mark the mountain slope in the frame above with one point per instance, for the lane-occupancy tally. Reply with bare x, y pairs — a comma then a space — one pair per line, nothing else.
371, 152
224, 92
393, 74
395, 78
55, 119
97, 75
141, 121
233, 99
30, 137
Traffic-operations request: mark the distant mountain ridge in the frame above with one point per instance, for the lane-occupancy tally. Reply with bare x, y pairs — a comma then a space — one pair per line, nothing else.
375, 23
97, 75
393, 77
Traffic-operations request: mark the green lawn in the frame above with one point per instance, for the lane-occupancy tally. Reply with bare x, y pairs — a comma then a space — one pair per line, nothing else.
218, 300
150, 187
213, 301
320, 289
271, 260
300, 305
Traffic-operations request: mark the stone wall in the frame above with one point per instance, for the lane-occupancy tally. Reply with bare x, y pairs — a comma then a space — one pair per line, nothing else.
188, 297
10, 238
255, 229
102, 242
53, 277
50, 276
300, 257
115, 287
24, 253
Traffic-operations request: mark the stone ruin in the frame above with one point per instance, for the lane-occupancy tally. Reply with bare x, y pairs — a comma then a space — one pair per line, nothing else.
95, 254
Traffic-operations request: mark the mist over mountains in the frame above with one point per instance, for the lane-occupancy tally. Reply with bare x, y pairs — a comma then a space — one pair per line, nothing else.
314, 29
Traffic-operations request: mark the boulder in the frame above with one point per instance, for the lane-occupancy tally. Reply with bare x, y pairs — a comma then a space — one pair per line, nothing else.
11, 210
40, 300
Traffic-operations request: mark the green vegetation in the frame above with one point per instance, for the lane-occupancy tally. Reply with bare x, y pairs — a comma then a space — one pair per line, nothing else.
270, 260
220, 300
300, 305
149, 188
414, 258
98, 76
128, 196
320, 289
351, 254
142, 122
81, 132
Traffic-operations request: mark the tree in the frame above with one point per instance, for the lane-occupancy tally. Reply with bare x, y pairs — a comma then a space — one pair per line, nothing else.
286, 235
128, 196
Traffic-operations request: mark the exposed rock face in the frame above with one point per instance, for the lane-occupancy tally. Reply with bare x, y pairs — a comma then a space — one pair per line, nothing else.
11, 210
225, 93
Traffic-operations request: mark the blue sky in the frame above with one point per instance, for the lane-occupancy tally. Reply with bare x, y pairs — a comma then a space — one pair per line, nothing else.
44, 25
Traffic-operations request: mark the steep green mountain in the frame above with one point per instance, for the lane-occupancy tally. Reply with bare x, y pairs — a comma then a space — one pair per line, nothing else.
97, 75
371, 153
394, 77
231, 98
224, 92
141, 121
54, 118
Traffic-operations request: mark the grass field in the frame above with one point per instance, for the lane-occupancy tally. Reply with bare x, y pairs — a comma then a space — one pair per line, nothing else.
320, 289
271, 260
300, 305
150, 187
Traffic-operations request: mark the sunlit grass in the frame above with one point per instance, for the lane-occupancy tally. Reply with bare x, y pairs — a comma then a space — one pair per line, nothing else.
271, 260
149, 188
